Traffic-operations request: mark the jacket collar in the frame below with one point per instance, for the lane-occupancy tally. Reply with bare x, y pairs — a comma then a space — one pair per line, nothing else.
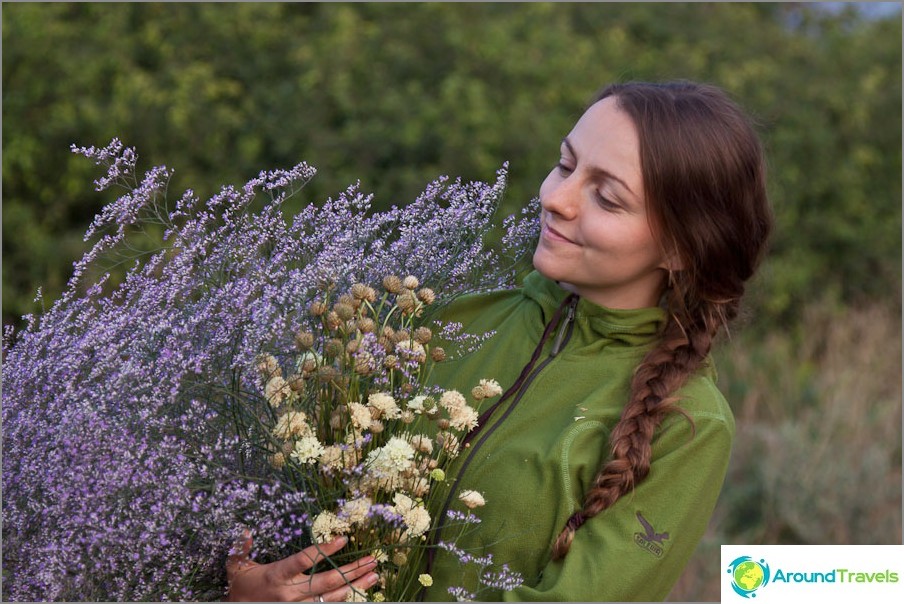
634, 327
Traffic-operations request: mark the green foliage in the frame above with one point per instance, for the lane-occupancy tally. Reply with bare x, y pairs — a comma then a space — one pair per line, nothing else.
395, 94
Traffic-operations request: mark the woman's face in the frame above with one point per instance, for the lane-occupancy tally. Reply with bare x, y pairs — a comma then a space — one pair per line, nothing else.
596, 239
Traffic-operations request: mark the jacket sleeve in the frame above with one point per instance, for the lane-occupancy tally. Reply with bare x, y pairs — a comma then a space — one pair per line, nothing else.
637, 549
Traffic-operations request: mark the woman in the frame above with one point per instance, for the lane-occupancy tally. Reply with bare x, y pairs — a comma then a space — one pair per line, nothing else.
602, 462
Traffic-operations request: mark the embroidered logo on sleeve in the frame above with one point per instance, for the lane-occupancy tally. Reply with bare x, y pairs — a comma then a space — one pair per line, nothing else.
650, 540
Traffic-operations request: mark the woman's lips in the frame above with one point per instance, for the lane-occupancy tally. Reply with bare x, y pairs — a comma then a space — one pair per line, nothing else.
554, 235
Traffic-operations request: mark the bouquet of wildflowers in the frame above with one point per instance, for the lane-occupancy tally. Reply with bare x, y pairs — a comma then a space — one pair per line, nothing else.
255, 371
351, 422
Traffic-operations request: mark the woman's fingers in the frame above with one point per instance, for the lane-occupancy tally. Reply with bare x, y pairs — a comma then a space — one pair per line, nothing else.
361, 584
238, 556
288, 579
308, 557
333, 583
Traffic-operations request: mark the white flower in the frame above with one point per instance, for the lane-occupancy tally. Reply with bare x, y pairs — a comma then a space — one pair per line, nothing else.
292, 424
361, 417
379, 555
268, 366
471, 499
417, 404
415, 516
421, 443
385, 404
332, 457
450, 444
392, 458
307, 450
355, 511
490, 388
452, 399
463, 418
327, 526
277, 391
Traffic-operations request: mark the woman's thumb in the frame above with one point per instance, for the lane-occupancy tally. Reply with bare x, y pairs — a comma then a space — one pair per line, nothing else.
238, 555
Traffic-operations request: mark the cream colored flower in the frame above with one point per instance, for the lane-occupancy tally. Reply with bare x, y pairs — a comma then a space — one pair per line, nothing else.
417, 404
452, 399
491, 388
416, 517
278, 460
355, 511
332, 457
425, 580
421, 443
385, 405
450, 444
471, 499
307, 450
267, 366
463, 418
392, 458
327, 526
400, 558
379, 555
411, 350
292, 424
417, 521
354, 595
277, 391
361, 417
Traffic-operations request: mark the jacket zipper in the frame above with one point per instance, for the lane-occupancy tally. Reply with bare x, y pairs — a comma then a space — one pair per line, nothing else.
563, 335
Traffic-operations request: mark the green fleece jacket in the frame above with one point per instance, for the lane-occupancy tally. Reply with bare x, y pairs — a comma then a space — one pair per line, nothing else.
537, 455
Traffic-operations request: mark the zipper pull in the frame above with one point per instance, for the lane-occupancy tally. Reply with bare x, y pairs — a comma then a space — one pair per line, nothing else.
560, 336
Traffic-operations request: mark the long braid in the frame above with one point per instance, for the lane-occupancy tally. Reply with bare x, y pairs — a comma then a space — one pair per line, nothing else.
681, 351
704, 176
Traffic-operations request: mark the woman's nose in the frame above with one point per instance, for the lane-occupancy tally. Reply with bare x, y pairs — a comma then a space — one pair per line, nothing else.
560, 196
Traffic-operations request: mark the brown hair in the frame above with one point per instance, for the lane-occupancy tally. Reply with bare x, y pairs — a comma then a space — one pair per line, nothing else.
704, 179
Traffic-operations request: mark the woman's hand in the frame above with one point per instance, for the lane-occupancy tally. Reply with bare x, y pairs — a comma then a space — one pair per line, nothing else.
286, 581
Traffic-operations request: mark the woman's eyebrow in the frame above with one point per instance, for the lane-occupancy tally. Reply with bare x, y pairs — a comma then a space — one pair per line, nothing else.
598, 172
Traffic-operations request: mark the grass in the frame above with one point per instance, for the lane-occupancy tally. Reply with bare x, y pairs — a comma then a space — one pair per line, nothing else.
817, 456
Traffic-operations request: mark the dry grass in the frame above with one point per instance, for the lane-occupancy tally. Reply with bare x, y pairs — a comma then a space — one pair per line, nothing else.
817, 457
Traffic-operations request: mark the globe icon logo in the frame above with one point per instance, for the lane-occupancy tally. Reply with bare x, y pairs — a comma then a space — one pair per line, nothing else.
748, 575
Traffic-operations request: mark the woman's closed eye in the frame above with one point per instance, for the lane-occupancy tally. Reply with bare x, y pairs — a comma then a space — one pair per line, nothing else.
564, 168
607, 203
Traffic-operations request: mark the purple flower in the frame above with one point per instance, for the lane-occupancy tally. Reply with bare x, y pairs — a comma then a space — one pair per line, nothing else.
128, 467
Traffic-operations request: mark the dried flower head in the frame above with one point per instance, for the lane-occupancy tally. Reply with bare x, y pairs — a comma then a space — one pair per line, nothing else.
304, 340
423, 335
327, 526
392, 284
307, 450
268, 366
426, 295
361, 417
410, 282
277, 391
471, 499
384, 404
292, 424
318, 308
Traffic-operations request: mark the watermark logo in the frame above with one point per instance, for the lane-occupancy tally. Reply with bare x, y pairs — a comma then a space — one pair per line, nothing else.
748, 575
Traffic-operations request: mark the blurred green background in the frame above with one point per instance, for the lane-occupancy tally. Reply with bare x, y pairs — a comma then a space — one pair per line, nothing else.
396, 94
